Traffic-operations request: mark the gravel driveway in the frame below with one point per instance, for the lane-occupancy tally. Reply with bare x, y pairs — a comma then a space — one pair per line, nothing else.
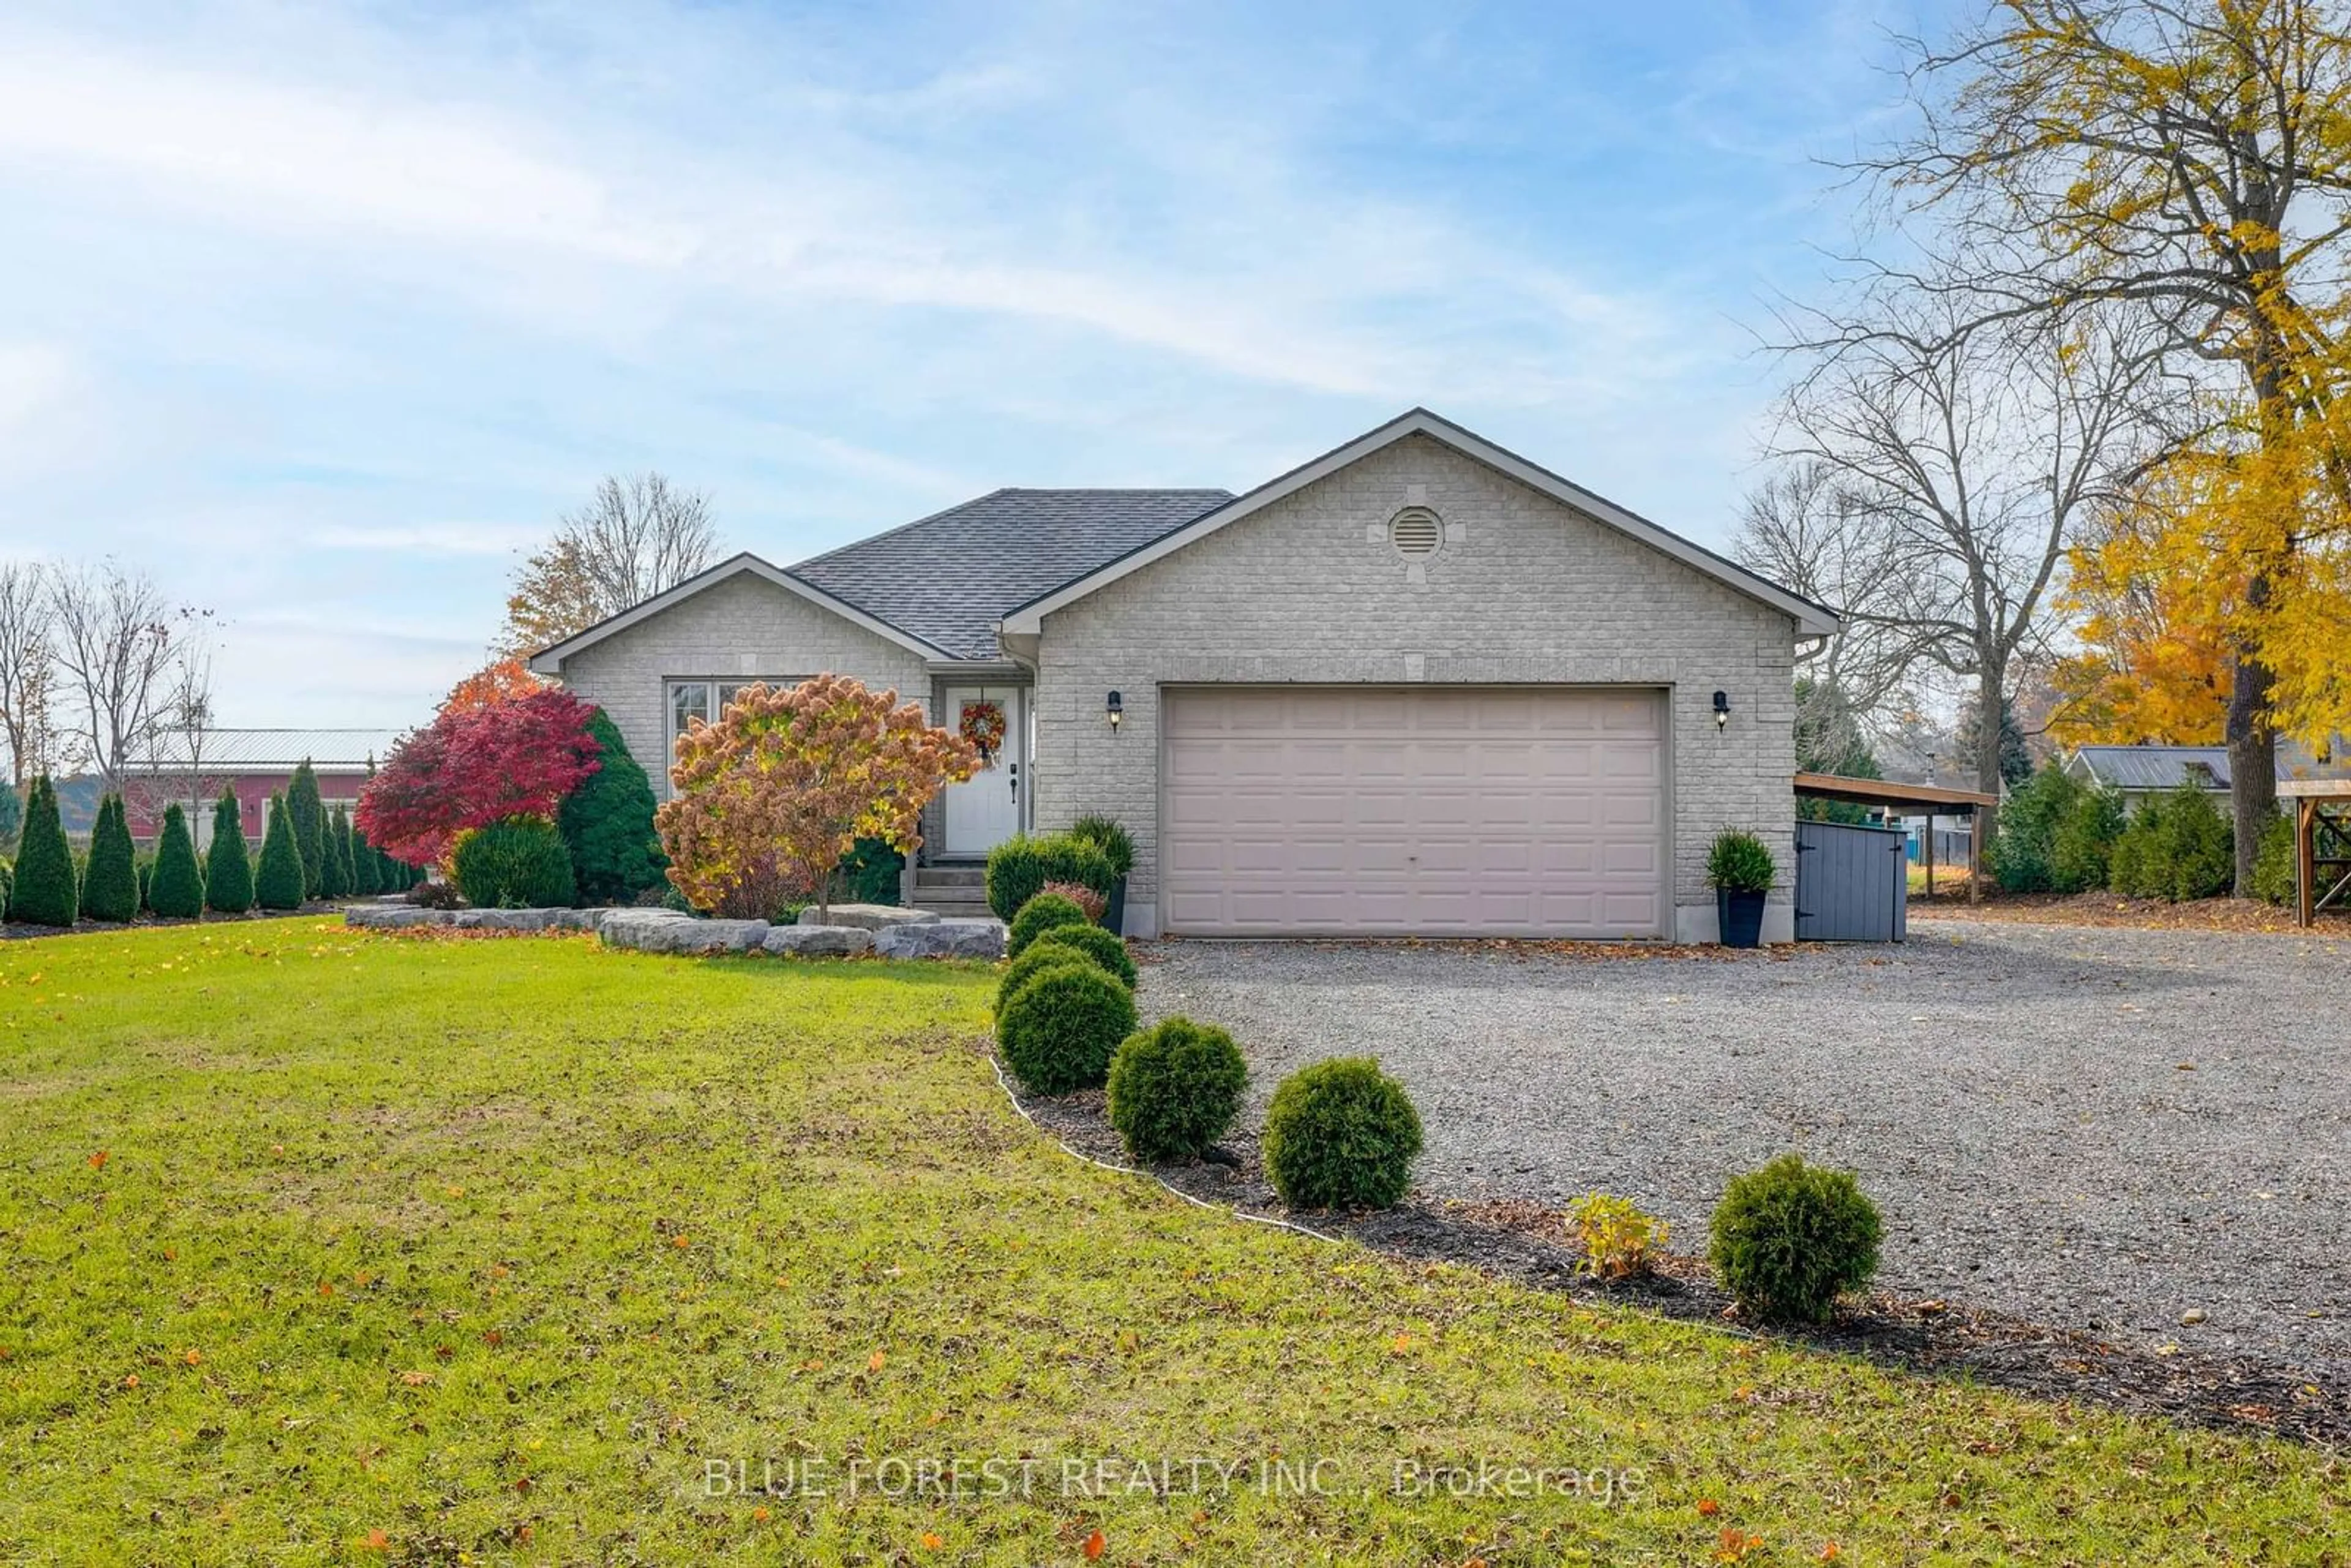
2098, 1128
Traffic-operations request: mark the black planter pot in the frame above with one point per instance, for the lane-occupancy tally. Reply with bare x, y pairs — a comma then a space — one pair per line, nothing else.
1740, 916
1113, 918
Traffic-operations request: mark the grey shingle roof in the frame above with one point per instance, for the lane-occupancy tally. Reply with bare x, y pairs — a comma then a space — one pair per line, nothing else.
2163, 767
949, 577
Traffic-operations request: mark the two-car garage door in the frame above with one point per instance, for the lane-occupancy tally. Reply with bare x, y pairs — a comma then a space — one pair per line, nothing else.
1503, 811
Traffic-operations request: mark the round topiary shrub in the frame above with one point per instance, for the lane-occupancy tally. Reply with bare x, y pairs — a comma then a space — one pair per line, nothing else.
1039, 915
1175, 1089
1059, 1029
1789, 1238
1341, 1134
520, 863
1091, 943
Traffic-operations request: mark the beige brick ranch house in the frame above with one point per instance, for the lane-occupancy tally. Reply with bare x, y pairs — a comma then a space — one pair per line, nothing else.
1418, 685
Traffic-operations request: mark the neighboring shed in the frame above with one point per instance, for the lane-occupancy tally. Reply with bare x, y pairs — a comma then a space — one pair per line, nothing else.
1928, 800
2140, 771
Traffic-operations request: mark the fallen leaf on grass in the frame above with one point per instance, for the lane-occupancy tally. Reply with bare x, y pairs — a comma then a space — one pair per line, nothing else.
1095, 1546
416, 1379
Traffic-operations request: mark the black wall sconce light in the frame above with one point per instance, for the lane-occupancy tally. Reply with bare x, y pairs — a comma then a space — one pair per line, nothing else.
1116, 708
1721, 711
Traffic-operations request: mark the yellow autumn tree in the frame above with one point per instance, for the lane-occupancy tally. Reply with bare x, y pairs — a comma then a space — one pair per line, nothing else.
2153, 664
2189, 161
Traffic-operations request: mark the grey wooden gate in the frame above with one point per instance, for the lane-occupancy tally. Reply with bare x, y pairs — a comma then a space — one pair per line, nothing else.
1851, 883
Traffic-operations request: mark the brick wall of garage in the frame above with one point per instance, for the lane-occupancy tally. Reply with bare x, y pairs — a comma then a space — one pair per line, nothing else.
742, 627
1531, 590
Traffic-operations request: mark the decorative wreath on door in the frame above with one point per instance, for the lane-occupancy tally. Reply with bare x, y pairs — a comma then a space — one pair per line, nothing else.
983, 725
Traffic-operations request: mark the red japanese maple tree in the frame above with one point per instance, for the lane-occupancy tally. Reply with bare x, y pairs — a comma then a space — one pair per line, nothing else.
476, 764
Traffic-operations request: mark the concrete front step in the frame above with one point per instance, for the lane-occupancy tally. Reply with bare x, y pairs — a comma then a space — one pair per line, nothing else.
951, 876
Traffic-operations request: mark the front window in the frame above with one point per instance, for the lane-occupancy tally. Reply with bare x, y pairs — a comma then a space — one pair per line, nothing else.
706, 699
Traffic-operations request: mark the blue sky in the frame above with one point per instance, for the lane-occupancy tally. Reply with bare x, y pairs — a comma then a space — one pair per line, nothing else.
323, 311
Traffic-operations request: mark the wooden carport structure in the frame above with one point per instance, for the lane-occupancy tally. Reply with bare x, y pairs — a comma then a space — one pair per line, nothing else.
1932, 800
2319, 803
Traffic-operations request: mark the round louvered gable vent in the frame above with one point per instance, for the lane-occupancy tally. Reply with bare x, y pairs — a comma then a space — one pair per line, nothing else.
1416, 532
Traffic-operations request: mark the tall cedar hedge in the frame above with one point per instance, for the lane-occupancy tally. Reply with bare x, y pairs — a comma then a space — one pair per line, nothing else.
309, 827
228, 869
277, 882
110, 885
175, 888
335, 857
44, 892
607, 823
367, 873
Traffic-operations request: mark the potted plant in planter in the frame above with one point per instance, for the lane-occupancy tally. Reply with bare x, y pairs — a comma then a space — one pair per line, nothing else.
1106, 835
1740, 866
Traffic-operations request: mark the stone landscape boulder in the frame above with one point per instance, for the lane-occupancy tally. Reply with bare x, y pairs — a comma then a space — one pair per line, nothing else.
394, 917
507, 919
867, 917
819, 941
942, 939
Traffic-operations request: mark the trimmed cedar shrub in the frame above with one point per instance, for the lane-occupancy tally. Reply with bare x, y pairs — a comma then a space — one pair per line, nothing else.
520, 863
45, 891
2022, 855
1038, 957
1039, 915
2178, 846
110, 884
12, 814
2081, 851
367, 868
175, 888
1106, 835
1341, 1134
7, 881
1019, 867
277, 881
1788, 1239
1062, 945
1175, 1089
309, 828
228, 869
1092, 942
2273, 868
1059, 1030
335, 857
607, 822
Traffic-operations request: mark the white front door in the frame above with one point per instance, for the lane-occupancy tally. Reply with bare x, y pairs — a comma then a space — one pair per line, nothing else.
985, 809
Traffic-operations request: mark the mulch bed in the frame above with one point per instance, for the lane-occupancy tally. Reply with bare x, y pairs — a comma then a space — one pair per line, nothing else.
2109, 909
1530, 1245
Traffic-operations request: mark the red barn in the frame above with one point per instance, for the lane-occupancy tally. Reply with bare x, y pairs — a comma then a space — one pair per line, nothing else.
259, 763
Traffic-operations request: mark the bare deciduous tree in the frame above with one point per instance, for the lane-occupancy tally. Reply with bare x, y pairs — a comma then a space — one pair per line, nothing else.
1805, 528
123, 650
1956, 458
638, 538
28, 662
174, 766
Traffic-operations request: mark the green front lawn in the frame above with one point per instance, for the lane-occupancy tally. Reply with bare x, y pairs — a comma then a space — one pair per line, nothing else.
321, 1247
